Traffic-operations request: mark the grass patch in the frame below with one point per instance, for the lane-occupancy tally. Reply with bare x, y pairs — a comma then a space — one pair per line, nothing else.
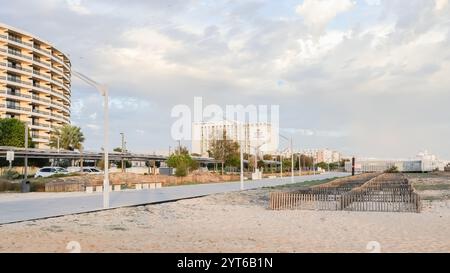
8, 186
302, 185
434, 198
438, 187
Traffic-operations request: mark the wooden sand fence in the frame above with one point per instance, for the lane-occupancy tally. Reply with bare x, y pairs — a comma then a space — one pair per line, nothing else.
381, 193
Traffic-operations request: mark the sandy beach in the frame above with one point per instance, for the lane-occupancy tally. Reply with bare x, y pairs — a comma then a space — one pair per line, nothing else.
234, 222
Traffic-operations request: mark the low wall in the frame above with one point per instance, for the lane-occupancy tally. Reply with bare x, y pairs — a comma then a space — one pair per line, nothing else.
79, 183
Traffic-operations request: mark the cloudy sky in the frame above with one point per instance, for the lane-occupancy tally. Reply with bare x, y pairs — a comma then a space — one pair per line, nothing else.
366, 77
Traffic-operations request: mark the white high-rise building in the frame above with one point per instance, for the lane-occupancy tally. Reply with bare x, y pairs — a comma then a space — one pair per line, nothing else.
260, 136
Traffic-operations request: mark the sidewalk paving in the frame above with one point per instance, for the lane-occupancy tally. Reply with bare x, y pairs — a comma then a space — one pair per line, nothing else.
30, 208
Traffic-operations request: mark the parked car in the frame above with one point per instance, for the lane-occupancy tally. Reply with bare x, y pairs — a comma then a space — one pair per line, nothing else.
49, 171
91, 170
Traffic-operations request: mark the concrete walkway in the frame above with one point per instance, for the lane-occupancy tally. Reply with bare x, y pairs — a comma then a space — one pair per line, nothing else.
25, 209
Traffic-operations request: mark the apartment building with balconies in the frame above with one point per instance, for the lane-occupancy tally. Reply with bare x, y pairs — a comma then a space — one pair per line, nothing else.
35, 84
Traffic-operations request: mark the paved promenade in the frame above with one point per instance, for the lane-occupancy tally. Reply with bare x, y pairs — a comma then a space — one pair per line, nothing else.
30, 208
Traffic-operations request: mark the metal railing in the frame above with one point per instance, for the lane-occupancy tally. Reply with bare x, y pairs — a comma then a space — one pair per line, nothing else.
15, 107
47, 65
50, 79
35, 98
48, 90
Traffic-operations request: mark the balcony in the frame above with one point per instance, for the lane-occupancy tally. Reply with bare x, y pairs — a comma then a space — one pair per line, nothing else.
36, 136
17, 40
18, 54
15, 107
33, 46
15, 94
33, 72
41, 125
36, 98
36, 86
41, 63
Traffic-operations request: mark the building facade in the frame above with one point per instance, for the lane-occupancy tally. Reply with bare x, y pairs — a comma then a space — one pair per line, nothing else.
260, 137
323, 155
35, 85
423, 162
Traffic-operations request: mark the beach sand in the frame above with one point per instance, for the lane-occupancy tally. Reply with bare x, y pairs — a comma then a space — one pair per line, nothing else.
233, 222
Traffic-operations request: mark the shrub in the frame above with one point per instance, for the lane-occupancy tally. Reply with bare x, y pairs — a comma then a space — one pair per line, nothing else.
11, 175
9, 186
392, 169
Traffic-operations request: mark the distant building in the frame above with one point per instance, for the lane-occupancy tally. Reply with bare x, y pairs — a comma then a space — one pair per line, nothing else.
251, 135
423, 162
323, 155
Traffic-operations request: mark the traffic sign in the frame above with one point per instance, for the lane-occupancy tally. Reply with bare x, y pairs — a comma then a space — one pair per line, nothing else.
10, 155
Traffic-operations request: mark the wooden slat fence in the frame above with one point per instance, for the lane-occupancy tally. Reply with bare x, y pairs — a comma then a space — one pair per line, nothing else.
382, 193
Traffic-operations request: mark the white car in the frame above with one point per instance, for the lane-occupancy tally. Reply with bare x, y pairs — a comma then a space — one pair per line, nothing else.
91, 170
49, 171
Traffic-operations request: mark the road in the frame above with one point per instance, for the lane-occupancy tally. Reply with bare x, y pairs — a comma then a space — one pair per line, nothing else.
24, 209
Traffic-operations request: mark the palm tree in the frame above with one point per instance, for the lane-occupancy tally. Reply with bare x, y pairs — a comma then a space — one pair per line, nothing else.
70, 138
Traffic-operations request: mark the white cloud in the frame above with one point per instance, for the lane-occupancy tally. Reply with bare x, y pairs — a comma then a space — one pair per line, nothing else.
314, 49
441, 4
77, 7
373, 2
318, 13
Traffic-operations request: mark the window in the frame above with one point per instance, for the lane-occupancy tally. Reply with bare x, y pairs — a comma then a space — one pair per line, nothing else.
45, 170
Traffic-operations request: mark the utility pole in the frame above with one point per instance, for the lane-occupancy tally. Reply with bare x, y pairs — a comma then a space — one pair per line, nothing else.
123, 150
281, 165
57, 148
299, 165
25, 187
292, 162
314, 168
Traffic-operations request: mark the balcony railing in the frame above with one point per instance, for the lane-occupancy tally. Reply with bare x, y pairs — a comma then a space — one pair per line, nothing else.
36, 136
39, 124
52, 80
14, 94
41, 112
15, 107
15, 53
34, 46
19, 41
47, 65
48, 52
35, 111
36, 98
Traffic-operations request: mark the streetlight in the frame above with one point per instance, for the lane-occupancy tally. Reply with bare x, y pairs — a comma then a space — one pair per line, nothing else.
104, 92
123, 149
292, 156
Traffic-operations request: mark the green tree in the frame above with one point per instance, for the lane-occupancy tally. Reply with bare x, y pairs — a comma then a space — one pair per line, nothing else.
322, 165
127, 163
12, 133
182, 161
226, 151
70, 138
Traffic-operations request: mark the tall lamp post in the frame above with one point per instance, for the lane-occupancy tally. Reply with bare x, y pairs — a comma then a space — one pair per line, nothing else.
292, 156
104, 92
123, 150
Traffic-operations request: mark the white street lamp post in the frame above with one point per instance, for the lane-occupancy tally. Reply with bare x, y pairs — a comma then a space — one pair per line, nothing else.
292, 157
104, 92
